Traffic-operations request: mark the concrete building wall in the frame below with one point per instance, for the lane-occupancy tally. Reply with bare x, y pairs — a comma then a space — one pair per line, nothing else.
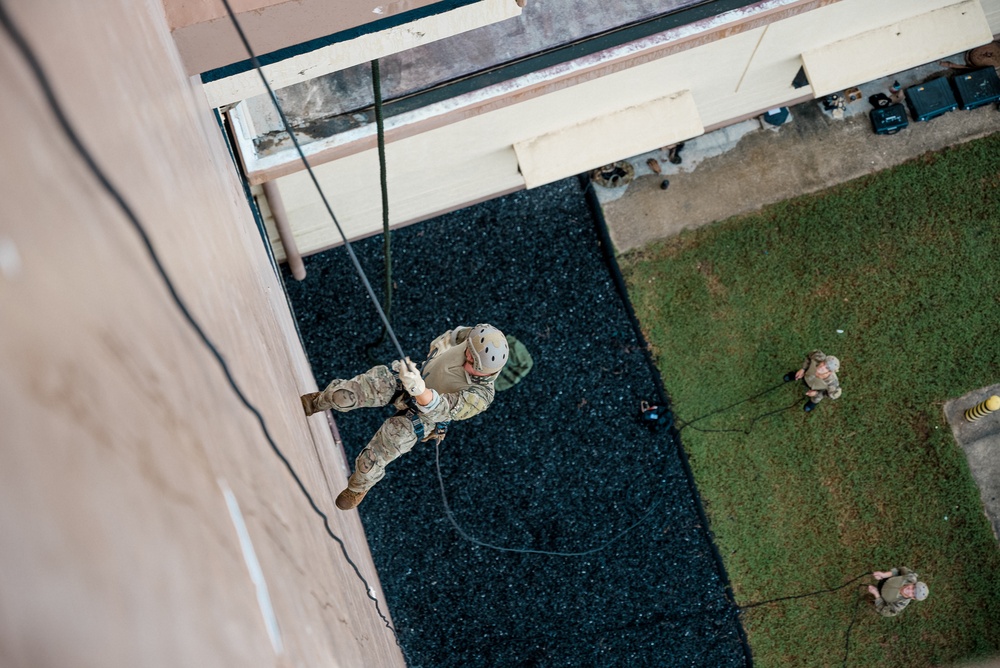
463, 151
118, 433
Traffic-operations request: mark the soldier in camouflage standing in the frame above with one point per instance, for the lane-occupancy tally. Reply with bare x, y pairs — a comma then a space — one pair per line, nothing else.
819, 374
895, 590
456, 384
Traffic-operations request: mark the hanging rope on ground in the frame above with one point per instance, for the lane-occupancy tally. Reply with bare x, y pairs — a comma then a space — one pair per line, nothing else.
857, 605
847, 635
752, 422
463, 534
807, 595
684, 424
383, 182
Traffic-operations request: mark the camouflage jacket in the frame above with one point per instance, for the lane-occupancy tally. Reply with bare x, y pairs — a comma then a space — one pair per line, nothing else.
890, 602
457, 394
827, 387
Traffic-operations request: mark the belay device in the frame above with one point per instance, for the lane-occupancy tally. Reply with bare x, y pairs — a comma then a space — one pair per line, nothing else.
655, 417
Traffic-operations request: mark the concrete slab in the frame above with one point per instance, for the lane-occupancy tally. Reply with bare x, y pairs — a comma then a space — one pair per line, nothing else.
980, 440
741, 168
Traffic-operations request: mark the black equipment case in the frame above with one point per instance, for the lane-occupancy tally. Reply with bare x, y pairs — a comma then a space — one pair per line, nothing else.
889, 120
931, 99
977, 88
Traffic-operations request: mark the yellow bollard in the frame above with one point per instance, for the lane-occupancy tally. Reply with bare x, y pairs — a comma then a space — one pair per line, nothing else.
982, 409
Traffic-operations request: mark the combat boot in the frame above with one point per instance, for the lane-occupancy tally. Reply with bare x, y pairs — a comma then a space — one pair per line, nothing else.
309, 402
349, 499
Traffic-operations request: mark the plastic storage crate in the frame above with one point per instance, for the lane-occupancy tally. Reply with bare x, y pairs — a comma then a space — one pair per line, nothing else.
977, 88
931, 99
889, 119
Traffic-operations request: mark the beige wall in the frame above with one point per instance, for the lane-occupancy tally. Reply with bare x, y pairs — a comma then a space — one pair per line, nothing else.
116, 426
437, 164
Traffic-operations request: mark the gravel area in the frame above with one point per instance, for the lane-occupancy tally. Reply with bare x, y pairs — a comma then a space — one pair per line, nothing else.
560, 462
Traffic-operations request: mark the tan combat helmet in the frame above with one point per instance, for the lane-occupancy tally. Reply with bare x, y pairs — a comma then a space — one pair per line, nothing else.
488, 347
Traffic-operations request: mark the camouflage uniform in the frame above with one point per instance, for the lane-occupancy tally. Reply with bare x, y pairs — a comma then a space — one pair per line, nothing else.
457, 396
828, 387
890, 602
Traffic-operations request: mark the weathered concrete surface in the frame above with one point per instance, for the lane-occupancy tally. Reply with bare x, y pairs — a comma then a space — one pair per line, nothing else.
980, 440
541, 26
742, 168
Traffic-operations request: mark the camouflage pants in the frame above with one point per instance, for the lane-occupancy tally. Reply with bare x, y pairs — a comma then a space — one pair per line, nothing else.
395, 437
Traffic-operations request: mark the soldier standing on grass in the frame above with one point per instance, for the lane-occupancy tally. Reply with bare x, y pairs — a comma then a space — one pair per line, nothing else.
819, 373
456, 384
895, 590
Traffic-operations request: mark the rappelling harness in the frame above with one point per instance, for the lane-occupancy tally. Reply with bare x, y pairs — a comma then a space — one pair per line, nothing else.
406, 406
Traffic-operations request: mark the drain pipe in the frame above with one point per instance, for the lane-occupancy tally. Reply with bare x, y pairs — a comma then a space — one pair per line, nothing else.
292, 255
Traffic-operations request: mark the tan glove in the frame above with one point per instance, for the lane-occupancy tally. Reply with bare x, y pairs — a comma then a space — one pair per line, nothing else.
409, 376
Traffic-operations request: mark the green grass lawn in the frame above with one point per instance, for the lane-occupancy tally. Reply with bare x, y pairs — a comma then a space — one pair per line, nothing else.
897, 274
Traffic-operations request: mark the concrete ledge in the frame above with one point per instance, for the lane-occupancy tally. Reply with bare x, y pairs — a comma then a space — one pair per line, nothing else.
602, 140
980, 440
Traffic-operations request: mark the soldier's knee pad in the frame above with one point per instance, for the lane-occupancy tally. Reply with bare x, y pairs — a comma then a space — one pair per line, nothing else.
343, 399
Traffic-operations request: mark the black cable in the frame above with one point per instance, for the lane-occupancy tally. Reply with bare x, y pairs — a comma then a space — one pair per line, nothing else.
847, 635
741, 431
302, 156
733, 405
812, 593
54, 105
463, 534
854, 615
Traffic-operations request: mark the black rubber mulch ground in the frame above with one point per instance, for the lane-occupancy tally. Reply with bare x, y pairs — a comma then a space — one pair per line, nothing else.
559, 462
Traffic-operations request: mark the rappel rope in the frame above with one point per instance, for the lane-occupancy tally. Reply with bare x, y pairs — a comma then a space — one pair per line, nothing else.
686, 424
384, 185
364, 279
463, 534
854, 615
361, 274
312, 175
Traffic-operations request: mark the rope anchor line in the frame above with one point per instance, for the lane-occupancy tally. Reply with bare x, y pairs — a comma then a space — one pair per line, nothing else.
684, 424
854, 615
